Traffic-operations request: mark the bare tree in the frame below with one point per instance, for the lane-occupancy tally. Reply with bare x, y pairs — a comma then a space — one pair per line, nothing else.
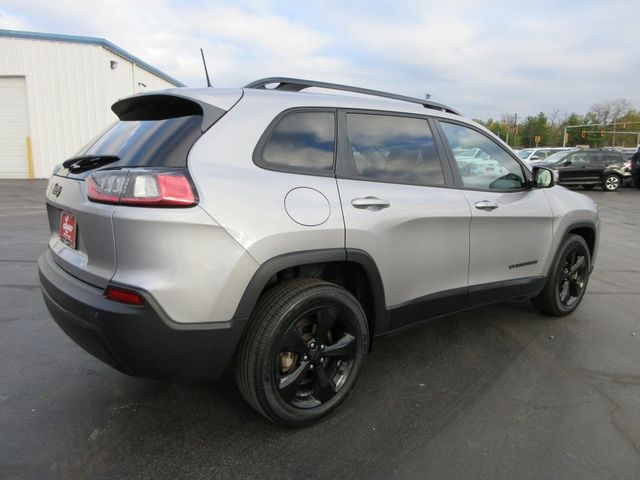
601, 111
610, 110
620, 107
553, 116
507, 118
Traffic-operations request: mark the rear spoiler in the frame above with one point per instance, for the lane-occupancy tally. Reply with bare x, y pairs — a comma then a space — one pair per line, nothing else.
167, 105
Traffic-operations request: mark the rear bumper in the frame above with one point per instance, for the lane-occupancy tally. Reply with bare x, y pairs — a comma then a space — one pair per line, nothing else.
137, 340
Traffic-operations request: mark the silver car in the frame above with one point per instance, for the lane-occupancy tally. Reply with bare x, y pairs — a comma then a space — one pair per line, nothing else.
282, 231
535, 155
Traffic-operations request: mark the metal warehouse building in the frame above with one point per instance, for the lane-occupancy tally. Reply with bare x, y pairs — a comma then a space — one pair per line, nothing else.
56, 93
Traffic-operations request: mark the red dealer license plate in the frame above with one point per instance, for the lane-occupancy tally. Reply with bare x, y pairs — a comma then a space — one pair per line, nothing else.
68, 227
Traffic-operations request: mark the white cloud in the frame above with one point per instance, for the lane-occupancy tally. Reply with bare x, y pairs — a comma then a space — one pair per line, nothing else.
11, 22
482, 58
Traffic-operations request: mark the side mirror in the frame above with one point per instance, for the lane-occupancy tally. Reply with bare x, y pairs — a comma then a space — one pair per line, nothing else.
544, 177
566, 163
535, 157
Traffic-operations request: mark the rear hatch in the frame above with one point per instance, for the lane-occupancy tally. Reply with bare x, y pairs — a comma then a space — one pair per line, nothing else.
152, 139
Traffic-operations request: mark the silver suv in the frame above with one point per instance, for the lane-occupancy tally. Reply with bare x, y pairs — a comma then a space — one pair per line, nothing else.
281, 231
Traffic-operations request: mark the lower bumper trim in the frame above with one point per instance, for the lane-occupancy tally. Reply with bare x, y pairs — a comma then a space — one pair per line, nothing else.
137, 340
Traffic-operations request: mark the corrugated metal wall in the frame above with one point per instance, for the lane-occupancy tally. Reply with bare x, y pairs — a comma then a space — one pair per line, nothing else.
70, 89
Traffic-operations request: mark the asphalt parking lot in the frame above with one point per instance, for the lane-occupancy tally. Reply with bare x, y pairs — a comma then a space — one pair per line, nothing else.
500, 392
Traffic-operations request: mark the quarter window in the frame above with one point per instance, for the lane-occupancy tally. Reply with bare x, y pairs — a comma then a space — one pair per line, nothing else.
482, 163
393, 149
301, 141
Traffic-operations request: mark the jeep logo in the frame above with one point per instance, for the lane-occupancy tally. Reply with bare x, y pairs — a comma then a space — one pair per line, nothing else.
56, 190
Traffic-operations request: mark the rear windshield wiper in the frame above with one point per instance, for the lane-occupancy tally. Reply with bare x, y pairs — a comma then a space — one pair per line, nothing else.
88, 162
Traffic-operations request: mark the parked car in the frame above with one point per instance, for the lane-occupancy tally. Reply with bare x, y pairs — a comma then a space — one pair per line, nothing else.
634, 167
627, 153
534, 155
590, 168
282, 231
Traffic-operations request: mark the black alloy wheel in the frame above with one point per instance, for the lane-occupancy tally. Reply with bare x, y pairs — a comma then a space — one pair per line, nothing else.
572, 276
304, 348
315, 357
567, 282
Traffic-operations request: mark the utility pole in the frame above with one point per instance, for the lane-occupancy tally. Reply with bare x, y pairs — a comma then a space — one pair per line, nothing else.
515, 131
564, 137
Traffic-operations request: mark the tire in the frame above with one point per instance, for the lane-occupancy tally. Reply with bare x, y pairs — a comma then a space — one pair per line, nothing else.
567, 281
588, 187
611, 182
305, 346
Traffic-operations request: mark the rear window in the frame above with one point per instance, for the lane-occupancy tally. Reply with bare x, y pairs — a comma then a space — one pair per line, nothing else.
524, 154
148, 143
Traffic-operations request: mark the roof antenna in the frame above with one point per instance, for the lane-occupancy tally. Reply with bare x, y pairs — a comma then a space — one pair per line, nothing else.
206, 72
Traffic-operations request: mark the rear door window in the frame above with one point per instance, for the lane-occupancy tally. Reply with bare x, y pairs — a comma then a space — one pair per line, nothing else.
392, 149
300, 141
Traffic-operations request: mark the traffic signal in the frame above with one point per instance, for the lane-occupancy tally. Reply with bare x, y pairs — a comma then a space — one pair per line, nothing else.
584, 134
602, 132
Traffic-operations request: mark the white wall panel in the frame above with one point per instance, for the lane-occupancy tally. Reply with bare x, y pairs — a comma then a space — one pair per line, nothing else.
70, 89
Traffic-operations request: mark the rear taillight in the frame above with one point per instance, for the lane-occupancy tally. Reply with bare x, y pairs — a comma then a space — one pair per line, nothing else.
143, 187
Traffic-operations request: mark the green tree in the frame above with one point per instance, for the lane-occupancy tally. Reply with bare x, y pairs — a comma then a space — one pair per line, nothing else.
498, 128
556, 129
535, 126
574, 135
630, 123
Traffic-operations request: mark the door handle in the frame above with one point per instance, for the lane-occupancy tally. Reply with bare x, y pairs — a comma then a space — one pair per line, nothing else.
486, 205
371, 203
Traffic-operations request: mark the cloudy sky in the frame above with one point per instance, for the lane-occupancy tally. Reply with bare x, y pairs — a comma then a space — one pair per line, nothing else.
482, 57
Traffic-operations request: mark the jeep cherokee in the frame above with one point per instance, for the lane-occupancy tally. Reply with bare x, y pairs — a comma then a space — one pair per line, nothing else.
280, 231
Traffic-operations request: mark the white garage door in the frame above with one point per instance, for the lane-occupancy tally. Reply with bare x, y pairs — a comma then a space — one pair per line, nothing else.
14, 128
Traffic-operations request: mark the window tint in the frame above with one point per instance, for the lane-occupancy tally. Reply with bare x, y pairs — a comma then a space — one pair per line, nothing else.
482, 163
578, 159
597, 158
148, 143
302, 141
393, 149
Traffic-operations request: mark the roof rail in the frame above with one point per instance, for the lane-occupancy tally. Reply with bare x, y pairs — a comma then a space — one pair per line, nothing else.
297, 84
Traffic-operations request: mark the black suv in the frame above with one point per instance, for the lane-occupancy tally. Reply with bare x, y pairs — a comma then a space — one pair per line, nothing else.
590, 167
